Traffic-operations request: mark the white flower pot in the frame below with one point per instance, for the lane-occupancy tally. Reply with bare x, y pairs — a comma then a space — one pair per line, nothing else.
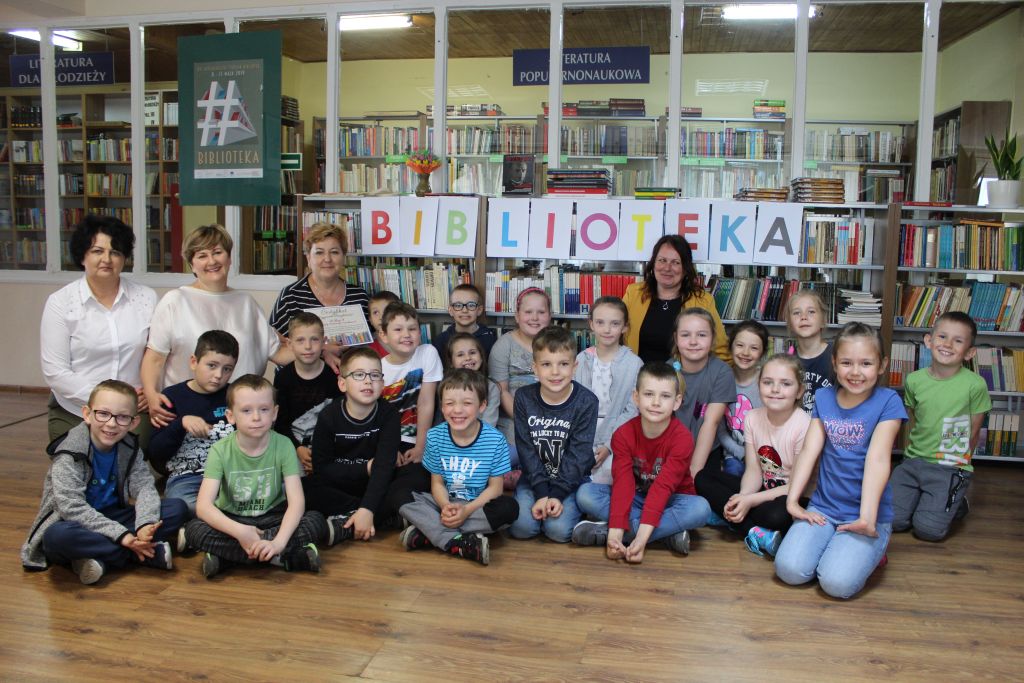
1004, 194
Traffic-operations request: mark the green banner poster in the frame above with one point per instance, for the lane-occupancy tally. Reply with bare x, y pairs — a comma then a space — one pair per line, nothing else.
230, 118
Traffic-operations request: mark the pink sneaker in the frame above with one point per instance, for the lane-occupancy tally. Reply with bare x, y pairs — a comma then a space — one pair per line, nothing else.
882, 562
511, 479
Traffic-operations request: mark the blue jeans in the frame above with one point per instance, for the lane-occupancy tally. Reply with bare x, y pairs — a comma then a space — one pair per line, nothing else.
842, 562
185, 487
682, 511
558, 529
733, 466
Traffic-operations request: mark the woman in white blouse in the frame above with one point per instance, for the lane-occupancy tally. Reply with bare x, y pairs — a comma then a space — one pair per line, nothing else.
206, 304
96, 327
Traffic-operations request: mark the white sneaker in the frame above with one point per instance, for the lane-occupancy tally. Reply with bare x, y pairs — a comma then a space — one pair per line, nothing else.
89, 570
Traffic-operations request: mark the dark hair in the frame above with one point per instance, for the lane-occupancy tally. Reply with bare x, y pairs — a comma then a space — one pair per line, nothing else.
850, 330
384, 295
689, 285
658, 370
464, 336
397, 309
216, 341
118, 387
554, 339
750, 326
961, 318
464, 378
353, 352
122, 238
305, 319
250, 381
471, 288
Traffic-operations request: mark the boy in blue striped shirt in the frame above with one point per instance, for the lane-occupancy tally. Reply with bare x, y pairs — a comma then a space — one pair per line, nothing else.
466, 459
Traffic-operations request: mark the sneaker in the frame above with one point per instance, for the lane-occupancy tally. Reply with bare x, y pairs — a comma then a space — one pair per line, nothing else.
414, 539
590, 533
679, 542
211, 565
882, 562
962, 510
760, 541
181, 547
161, 556
715, 520
89, 570
336, 531
305, 558
474, 547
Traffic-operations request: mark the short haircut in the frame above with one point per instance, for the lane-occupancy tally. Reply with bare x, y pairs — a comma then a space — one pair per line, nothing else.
554, 339
206, 237
320, 231
304, 319
795, 366
961, 318
353, 352
464, 336
749, 326
216, 341
658, 370
118, 387
464, 378
122, 238
613, 301
384, 295
851, 331
250, 381
471, 288
397, 309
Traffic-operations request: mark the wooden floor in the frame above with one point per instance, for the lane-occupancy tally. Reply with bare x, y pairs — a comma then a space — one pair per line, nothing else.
938, 612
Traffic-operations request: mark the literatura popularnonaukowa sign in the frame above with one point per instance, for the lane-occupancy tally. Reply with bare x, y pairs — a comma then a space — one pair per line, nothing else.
584, 65
74, 68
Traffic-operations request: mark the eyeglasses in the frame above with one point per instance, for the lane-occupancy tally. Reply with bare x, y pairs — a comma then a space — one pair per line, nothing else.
469, 305
103, 416
674, 263
360, 375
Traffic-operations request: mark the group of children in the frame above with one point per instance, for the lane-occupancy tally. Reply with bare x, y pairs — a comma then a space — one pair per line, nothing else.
596, 447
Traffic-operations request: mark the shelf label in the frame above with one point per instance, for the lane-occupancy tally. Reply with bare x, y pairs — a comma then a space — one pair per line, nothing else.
712, 162
291, 161
497, 158
811, 164
690, 161
614, 160
395, 158
562, 159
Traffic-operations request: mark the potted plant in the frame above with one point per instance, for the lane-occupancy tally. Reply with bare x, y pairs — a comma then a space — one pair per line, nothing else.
1004, 193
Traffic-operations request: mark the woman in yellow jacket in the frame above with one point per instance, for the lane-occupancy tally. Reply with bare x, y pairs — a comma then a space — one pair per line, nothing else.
670, 284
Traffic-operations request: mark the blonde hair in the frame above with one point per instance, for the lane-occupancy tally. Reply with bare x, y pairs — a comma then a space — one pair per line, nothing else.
696, 312
815, 296
795, 366
206, 237
321, 231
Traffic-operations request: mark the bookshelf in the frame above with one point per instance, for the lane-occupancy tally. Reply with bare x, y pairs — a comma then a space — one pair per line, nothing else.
958, 148
163, 212
372, 151
871, 157
720, 156
23, 227
631, 147
476, 145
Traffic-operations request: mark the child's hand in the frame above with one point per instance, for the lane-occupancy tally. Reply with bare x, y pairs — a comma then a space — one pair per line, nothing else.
613, 546
600, 455
146, 532
635, 551
369, 467
736, 508
860, 526
797, 512
453, 515
142, 549
248, 537
264, 550
305, 458
196, 426
361, 522
539, 509
414, 454
553, 508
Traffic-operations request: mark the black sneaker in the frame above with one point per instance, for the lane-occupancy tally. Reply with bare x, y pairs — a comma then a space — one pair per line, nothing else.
414, 539
590, 533
680, 542
962, 510
474, 547
336, 531
89, 570
306, 558
161, 557
212, 565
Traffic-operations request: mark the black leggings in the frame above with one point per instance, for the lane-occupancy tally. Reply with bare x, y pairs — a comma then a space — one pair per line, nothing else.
717, 487
334, 500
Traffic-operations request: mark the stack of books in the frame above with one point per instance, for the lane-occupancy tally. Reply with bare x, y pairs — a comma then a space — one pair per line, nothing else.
583, 181
625, 106
656, 193
568, 108
594, 108
855, 306
762, 194
770, 109
817, 190
469, 110
689, 112
290, 109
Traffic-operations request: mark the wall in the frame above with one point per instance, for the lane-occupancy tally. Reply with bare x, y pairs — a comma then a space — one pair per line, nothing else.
983, 66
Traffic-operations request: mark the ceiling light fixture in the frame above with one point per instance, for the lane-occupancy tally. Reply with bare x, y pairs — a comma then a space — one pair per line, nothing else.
367, 22
56, 38
761, 12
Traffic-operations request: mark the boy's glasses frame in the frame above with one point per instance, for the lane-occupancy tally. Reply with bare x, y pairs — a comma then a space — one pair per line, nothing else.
467, 305
360, 375
103, 417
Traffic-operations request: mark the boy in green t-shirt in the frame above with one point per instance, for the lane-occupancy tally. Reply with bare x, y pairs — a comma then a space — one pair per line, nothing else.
250, 506
946, 403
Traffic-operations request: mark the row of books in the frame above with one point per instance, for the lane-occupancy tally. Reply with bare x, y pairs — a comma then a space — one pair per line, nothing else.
25, 250
30, 218
610, 139
968, 245
855, 144
108, 149
469, 110
1001, 368
733, 143
69, 218
426, 287
942, 185
108, 184
26, 116
994, 306
32, 183
946, 138
711, 182
272, 256
170, 113
350, 221
764, 298
837, 240
168, 181
278, 221
28, 151
357, 140
503, 139
1000, 436
364, 178
574, 292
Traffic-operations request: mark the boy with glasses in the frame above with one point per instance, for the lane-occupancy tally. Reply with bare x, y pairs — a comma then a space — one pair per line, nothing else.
465, 306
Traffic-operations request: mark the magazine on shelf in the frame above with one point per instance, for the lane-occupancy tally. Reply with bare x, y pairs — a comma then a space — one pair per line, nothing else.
517, 174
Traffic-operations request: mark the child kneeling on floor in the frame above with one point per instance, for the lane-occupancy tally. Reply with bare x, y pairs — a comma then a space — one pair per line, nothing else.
466, 459
85, 518
250, 506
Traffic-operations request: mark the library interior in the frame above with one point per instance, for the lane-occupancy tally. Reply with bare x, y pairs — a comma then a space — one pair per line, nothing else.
865, 122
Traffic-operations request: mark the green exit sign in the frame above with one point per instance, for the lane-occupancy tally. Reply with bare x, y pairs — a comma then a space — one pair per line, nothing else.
291, 161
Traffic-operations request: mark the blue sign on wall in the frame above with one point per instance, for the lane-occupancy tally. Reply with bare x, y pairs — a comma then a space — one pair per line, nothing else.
584, 65
72, 68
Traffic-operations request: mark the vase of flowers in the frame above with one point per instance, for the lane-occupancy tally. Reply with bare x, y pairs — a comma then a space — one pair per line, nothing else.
423, 162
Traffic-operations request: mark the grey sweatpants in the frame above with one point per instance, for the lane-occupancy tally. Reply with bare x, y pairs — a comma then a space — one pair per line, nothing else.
425, 514
926, 496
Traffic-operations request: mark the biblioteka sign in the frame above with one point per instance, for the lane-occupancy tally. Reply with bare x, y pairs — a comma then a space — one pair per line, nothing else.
764, 233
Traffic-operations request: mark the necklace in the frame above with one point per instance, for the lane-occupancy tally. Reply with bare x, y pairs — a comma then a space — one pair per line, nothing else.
664, 306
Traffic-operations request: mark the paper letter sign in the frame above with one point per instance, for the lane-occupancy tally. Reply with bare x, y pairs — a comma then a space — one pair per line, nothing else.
508, 227
690, 218
381, 226
418, 223
732, 232
457, 219
641, 224
597, 230
550, 228
777, 238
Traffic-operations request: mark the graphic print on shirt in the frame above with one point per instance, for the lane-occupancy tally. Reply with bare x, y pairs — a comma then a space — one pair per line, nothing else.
955, 444
251, 489
644, 477
843, 433
549, 435
771, 467
403, 394
457, 470
191, 455
303, 425
812, 382
736, 416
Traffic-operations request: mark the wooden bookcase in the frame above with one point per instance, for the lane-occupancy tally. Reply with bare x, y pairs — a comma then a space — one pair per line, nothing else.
958, 148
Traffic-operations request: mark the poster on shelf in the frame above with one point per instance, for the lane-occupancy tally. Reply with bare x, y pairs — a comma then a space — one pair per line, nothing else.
777, 233
597, 229
550, 228
732, 232
418, 225
381, 226
690, 218
457, 220
641, 225
508, 227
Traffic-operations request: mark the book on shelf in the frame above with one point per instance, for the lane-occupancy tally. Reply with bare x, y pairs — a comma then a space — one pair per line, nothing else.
467, 110
290, 109
568, 108
591, 181
764, 298
517, 173
689, 112
762, 194
1000, 436
655, 193
837, 240
994, 306
858, 306
424, 287
818, 190
968, 245
1002, 368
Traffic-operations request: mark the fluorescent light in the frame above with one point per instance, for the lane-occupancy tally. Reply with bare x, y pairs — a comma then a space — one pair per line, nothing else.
366, 22
761, 12
56, 38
